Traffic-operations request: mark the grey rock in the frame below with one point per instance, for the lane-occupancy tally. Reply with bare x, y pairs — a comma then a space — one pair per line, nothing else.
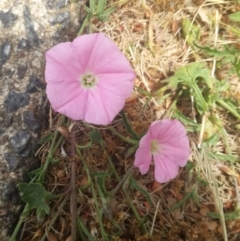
15, 100
23, 44
4, 211
36, 63
50, 4
9, 120
7, 18
34, 85
8, 72
31, 121
10, 193
24, 105
32, 36
21, 71
12, 160
5, 52
60, 18
6, 120
26, 152
60, 4
20, 141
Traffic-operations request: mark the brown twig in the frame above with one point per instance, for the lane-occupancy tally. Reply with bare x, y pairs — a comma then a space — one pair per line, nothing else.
73, 200
127, 174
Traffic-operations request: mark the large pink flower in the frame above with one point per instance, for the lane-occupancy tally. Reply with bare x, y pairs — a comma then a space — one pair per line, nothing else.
88, 79
167, 143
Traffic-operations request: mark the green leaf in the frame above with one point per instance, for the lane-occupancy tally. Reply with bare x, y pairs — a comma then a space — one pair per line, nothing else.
190, 125
95, 136
227, 216
128, 126
214, 52
92, 5
101, 5
36, 172
82, 227
134, 185
188, 75
192, 194
35, 195
226, 54
103, 16
53, 160
235, 16
212, 140
131, 150
40, 213
190, 31
46, 138
144, 92
225, 157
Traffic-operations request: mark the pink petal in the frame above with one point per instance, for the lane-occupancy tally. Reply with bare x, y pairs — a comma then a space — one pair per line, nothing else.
62, 64
143, 159
103, 55
71, 107
177, 154
143, 156
120, 84
165, 130
101, 107
61, 94
173, 140
66, 63
165, 170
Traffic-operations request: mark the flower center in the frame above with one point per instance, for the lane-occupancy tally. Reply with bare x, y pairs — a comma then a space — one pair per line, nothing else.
88, 80
154, 146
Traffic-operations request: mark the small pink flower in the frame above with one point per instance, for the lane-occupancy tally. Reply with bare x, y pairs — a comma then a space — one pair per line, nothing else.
88, 79
167, 143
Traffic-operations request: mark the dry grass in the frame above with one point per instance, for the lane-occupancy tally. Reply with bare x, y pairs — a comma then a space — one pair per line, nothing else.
149, 33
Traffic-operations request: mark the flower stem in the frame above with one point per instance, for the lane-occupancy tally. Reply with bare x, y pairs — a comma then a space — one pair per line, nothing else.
73, 201
128, 126
53, 219
54, 145
127, 174
123, 137
86, 20
19, 224
229, 108
99, 213
126, 194
53, 148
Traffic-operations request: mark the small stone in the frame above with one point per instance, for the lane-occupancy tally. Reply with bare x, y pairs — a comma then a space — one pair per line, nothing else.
8, 72
25, 152
34, 85
60, 18
50, 4
7, 18
10, 193
36, 63
5, 52
20, 141
21, 71
12, 160
32, 36
23, 44
15, 100
3, 211
8, 120
31, 121
60, 4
